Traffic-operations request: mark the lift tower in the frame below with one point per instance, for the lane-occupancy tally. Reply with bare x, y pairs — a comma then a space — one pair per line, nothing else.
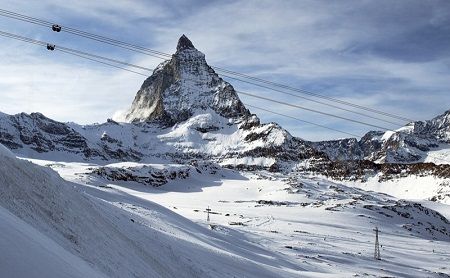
377, 255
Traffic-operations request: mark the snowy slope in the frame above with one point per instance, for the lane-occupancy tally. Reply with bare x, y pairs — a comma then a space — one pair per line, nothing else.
118, 234
323, 228
25, 252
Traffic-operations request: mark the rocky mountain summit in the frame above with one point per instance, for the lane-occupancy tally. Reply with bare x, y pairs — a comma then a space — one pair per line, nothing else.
183, 87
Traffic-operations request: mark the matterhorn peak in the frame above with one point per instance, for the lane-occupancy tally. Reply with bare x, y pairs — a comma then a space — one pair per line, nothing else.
182, 87
184, 43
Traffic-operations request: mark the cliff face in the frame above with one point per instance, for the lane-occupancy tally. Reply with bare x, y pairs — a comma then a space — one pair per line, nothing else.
182, 87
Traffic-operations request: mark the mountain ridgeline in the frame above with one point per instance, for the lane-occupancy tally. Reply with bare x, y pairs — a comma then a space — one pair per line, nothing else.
184, 112
409, 144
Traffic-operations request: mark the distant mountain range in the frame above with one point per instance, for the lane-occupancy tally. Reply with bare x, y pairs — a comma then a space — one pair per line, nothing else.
416, 142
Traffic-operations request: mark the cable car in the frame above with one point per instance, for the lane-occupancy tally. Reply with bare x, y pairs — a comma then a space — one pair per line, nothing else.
50, 46
56, 28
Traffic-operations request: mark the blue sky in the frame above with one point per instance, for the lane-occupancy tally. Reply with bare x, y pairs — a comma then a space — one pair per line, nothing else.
389, 55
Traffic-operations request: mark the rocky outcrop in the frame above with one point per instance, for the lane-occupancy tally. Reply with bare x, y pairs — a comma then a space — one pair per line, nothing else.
34, 134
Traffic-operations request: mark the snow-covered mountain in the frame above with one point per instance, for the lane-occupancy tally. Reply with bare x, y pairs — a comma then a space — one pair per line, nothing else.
421, 141
34, 135
183, 111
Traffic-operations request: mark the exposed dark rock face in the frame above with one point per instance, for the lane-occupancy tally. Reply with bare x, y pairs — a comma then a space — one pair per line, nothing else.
40, 134
362, 169
43, 135
151, 176
182, 87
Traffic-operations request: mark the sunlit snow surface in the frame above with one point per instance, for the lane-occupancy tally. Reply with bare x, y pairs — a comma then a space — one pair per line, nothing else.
318, 229
262, 224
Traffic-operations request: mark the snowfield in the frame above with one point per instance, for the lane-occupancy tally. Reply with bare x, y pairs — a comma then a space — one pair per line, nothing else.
262, 225
113, 234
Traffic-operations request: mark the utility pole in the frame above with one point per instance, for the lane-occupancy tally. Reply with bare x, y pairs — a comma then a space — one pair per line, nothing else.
207, 211
377, 255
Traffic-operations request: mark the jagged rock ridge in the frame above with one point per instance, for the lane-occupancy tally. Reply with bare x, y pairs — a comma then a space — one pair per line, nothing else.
182, 87
408, 144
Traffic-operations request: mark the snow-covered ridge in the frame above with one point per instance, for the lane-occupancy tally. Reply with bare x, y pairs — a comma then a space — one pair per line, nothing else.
421, 141
208, 136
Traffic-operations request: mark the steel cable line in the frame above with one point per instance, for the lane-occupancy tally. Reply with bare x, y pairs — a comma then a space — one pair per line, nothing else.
84, 54
103, 58
41, 43
78, 53
99, 61
312, 110
158, 54
316, 101
73, 31
315, 95
13, 36
96, 58
298, 119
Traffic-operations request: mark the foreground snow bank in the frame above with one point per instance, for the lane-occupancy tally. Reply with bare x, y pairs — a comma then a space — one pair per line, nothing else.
28, 253
4, 152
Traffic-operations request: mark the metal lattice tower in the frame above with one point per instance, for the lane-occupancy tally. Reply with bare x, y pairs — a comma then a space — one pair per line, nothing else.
207, 211
377, 255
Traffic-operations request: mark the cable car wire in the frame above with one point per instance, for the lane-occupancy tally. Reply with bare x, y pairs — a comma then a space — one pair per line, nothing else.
300, 120
313, 110
97, 58
162, 55
41, 43
316, 101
